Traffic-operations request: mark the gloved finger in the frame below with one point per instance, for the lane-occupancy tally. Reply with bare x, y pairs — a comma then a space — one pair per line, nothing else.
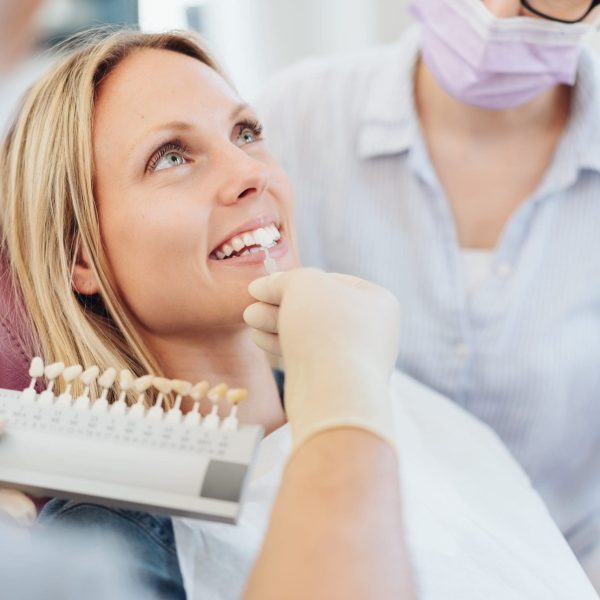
17, 506
353, 281
262, 316
269, 342
270, 289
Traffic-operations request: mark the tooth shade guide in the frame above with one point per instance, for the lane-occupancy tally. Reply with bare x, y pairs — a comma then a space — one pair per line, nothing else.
199, 403
37, 455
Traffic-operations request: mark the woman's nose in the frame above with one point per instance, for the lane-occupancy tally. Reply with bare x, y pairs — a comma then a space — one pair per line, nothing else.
504, 8
243, 177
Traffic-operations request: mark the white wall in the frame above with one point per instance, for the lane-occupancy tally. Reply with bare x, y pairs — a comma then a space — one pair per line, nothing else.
253, 38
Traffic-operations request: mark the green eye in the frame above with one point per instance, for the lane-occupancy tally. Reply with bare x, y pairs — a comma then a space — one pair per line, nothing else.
170, 159
248, 132
246, 136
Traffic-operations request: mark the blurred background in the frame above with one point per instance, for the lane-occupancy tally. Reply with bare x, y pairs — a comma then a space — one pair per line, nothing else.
252, 38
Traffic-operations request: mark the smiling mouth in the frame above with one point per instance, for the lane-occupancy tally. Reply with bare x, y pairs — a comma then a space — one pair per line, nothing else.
249, 242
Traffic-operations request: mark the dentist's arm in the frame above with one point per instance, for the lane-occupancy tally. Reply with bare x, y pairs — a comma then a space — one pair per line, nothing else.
336, 529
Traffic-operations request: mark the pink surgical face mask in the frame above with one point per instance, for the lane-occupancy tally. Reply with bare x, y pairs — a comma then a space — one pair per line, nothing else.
495, 63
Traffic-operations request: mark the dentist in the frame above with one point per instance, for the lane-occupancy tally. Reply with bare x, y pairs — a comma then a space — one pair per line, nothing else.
460, 168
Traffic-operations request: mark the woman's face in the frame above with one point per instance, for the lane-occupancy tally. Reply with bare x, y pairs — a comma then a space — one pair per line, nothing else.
182, 182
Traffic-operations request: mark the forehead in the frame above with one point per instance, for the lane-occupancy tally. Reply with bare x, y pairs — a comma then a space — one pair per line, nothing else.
150, 86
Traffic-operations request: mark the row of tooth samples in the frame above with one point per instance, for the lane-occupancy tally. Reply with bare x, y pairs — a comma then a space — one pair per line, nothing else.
158, 411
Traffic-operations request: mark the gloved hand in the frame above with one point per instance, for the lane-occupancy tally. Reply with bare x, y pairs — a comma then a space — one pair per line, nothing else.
339, 339
14, 504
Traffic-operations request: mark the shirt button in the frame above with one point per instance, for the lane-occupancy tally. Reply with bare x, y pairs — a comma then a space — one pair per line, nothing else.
462, 350
504, 270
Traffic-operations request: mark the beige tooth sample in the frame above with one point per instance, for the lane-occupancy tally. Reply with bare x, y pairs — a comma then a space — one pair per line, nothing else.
234, 397
140, 385
52, 372
70, 374
215, 395
125, 384
164, 387
36, 370
107, 378
105, 381
197, 392
181, 388
87, 378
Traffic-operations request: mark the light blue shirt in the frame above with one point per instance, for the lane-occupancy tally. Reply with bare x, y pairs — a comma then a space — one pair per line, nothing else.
523, 352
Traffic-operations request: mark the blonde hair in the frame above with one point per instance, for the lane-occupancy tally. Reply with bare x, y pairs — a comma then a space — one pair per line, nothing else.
48, 210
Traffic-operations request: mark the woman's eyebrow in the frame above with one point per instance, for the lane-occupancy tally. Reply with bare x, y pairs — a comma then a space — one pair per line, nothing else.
187, 126
238, 109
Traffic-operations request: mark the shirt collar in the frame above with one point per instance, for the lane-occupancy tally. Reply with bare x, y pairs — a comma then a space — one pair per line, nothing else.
389, 119
582, 136
389, 122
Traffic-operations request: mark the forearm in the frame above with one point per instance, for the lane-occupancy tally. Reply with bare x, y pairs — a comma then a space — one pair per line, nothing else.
336, 528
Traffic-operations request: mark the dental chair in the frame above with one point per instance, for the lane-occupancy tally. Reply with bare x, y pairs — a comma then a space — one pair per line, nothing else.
15, 349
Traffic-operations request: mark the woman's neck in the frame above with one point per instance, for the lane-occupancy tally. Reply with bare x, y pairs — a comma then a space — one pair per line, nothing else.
229, 356
438, 110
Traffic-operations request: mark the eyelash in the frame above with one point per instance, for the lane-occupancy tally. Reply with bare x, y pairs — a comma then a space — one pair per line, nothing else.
176, 146
253, 125
172, 146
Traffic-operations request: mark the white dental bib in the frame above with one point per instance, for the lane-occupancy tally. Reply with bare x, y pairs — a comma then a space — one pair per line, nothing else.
476, 529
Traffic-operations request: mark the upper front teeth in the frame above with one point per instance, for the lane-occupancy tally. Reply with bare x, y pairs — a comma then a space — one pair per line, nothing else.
263, 236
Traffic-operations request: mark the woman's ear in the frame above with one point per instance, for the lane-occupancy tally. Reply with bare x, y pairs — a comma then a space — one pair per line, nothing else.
83, 278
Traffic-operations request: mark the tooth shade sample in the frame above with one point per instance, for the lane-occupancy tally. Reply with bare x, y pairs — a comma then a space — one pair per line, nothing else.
181, 387
37, 367
163, 385
141, 384
199, 391
54, 370
89, 375
235, 396
107, 378
126, 380
71, 373
217, 393
262, 237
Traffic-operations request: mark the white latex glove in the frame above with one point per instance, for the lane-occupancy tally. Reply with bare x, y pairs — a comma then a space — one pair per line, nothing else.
339, 339
14, 504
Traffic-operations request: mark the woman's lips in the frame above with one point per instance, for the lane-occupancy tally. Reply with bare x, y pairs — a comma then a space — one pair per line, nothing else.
279, 250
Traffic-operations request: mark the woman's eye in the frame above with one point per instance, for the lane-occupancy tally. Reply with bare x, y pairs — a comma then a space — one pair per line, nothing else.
248, 133
170, 159
246, 136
